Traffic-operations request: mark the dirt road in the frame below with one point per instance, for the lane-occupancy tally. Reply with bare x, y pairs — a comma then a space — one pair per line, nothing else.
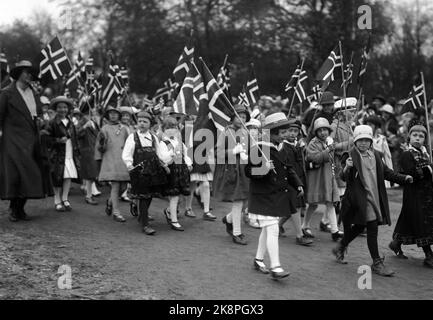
110, 260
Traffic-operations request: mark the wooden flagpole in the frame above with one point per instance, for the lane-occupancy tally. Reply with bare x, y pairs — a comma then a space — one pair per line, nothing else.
294, 92
426, 117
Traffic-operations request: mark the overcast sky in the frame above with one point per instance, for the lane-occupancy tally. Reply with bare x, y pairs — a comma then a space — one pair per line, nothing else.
21, 9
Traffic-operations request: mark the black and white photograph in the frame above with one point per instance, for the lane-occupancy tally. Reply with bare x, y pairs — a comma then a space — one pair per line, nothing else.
216, 155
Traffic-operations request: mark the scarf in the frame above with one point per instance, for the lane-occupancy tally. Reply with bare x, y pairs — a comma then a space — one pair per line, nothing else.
422, 159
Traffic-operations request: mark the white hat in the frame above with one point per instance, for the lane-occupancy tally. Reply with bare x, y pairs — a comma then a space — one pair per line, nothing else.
350, 104
321, 123
362, 132
387, 108
254, 123
276, 120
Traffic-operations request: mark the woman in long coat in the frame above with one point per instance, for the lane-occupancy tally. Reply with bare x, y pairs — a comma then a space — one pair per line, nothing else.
63, 152
22, 174
87, 132
415, 223
230, 182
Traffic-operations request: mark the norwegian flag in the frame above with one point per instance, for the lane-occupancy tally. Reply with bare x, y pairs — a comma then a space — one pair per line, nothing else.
90, 72
326, 72
74, 79
146, 103
296, 83
293, 79
166, 91
364, 61
299, 89
223, 79
114, 87
414, 99
243, 99
220, 108
188, 99
184, 63
96, 91
54, 60
252, 88
316, 95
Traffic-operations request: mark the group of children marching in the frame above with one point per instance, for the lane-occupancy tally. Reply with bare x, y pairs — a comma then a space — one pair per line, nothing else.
264, 167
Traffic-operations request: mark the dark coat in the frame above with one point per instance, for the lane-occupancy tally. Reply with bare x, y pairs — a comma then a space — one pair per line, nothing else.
57, 150
22, 166
272, 194
87, 142
354, 202
415, 223
296, 158
230, 182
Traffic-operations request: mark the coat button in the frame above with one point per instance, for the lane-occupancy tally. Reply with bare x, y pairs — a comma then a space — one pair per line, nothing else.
285, 179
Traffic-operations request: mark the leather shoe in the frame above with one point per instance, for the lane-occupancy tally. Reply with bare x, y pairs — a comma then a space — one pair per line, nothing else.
279, 275
91, 201
13, 217
337, 235
176, 228
240, 240
258, 267
118, 217
229, 226
324, 227
148, 230
304, 241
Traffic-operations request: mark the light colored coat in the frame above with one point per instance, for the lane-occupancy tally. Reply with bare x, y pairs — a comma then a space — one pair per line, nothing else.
112, 167
322, 186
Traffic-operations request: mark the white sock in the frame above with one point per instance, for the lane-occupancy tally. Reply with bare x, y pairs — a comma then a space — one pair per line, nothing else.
272, 244
237, 217
332, 216
261, 248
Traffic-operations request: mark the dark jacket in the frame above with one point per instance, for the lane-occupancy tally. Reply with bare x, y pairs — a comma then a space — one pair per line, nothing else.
295, 157
274, 193
57, 150
21, 160
354, 202
87, 142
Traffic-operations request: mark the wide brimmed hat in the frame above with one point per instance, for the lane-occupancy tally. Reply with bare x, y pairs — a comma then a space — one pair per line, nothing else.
125, 109
387, 108
111, 108
59, 99
362, 132
418, 127
322, 123
240, 108
374, 120
350, 104
20, 66
276, 120
327, 98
